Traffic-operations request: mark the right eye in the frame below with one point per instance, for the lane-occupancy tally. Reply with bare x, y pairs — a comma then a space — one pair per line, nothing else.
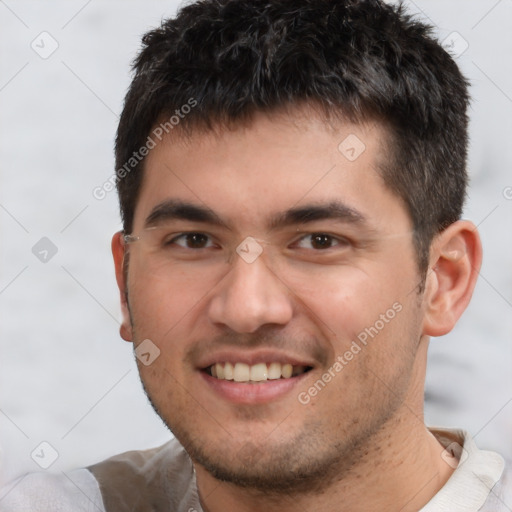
192, 241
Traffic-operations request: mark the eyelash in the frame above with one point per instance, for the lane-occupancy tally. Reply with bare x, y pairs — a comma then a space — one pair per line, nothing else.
338, 241
183, 236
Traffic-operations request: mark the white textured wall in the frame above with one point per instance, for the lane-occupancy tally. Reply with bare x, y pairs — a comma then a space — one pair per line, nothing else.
66, 377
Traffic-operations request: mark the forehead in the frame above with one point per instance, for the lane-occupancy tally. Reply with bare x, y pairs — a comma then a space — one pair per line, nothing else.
249, 173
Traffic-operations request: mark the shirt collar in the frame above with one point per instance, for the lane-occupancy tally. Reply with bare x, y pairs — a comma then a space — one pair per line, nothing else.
475, 475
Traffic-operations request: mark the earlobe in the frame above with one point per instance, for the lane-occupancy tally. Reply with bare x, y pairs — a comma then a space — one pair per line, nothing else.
456, 256
119, 254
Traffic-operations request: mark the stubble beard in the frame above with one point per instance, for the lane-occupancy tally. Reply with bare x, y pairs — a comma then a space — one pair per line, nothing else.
310, 463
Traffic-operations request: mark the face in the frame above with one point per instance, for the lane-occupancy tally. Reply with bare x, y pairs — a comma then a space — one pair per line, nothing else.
276, 276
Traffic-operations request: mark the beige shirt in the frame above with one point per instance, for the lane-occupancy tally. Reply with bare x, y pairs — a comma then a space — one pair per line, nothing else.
163, 479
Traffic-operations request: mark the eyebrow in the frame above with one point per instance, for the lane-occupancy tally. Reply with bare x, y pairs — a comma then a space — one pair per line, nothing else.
335, 210
179, 210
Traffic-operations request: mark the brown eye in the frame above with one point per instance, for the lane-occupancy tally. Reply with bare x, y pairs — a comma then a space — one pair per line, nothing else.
192, 241
196, 240
321, 241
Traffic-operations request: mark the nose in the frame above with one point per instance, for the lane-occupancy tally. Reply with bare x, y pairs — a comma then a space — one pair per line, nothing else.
249, 297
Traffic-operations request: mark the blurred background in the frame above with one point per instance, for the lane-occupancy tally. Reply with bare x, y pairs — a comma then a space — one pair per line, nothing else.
67, 380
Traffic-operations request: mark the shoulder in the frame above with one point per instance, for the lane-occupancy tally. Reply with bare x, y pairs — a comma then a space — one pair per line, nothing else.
500, 496
74, 491
162, 476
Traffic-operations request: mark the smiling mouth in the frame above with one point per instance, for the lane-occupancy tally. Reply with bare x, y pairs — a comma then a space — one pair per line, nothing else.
256, 373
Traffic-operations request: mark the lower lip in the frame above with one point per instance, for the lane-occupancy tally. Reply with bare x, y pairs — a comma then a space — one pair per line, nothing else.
252, 393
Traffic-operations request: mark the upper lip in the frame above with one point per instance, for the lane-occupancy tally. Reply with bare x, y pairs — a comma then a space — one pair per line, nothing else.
253, 357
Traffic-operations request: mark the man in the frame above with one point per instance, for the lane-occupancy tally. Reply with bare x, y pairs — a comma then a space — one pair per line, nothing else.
291, 178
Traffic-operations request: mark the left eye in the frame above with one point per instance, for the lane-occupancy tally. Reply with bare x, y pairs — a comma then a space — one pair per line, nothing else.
320, 241
192, 241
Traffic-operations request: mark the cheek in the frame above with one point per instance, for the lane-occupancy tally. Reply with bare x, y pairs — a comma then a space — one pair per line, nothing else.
370, 309
161, 301
345, 300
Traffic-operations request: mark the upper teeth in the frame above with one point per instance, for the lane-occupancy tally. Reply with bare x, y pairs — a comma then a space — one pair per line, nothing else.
241, 372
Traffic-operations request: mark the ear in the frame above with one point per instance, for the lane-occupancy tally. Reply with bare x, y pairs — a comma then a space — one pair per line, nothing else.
119, 253
455, 259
